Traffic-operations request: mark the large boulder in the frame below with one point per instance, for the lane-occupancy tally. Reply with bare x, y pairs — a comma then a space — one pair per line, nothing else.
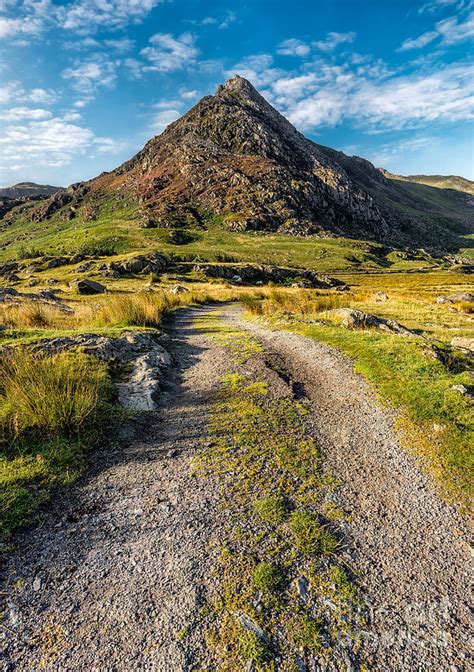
8, 268
357, 319
56, 262
86, 286
462, 296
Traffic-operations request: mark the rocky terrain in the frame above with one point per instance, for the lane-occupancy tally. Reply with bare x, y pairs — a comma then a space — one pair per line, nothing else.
234, 161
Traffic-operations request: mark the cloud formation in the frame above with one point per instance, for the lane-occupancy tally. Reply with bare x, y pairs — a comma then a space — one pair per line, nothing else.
168, 53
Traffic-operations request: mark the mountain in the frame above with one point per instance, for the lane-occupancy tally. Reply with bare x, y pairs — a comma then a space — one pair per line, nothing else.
234, 161
23, 189
440, 181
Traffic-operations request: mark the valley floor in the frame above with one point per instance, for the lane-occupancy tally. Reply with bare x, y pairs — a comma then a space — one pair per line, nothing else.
120, 573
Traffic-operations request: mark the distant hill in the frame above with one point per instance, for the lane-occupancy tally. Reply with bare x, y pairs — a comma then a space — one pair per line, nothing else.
23, 189
440, 181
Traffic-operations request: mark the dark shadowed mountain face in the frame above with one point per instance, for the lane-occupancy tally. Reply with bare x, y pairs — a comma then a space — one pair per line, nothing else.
28, 189
234, 160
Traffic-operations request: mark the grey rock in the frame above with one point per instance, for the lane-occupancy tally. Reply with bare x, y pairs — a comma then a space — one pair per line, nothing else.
459, 388
462, 296
463, 342
302, 587
357, 319
86, 286
179, 289
248, 624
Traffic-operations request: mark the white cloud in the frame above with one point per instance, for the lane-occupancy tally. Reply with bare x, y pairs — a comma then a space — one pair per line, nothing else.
331, 94
293, 47
419, 42
435, 5
16, 113
14, 91
333, 40
258, 69
385, 154
229, 19
187, 94
89, 75
162, 119
452, 30
169, 53
52, 142
121, 45
89, 16
49, 143
84, 17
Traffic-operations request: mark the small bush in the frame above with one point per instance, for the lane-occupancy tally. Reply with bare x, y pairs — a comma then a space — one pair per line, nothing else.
28, 253
306, 633
252, 648
267, 578
272, 510
50, 396
310, 536
144, 309
103, 248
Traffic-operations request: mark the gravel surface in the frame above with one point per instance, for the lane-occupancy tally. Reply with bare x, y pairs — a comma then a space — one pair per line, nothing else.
114, 577
410, 549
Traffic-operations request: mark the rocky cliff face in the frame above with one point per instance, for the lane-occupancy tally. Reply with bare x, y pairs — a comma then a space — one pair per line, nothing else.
237, 157
234, 160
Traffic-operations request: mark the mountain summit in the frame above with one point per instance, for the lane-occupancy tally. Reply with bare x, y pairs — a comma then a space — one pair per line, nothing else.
235, 160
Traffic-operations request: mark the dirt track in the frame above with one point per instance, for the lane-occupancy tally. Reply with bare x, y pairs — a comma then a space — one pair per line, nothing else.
117, 570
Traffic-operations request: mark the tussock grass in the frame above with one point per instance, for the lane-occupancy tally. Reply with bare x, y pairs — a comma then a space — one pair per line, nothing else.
28, 314
51, 410
300, 302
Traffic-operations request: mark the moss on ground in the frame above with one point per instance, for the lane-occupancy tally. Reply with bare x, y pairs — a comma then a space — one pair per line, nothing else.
267, 467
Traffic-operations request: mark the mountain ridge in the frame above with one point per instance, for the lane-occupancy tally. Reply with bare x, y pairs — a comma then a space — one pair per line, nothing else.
234, 160
456, 182
22, 189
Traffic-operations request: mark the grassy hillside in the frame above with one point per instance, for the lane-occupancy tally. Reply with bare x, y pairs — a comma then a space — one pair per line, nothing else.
117, 231
439, 181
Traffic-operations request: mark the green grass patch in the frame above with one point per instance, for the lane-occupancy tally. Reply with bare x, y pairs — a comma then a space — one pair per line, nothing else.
52, 409
266, 465
267, 577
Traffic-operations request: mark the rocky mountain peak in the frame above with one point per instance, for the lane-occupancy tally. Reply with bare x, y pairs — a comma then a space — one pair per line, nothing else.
233, 158
240, 89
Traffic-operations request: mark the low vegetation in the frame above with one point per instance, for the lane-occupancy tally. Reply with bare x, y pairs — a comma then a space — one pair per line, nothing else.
267, 467
416, 374
52, 409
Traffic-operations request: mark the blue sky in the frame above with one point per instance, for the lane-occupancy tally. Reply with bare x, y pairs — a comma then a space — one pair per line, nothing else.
85, 83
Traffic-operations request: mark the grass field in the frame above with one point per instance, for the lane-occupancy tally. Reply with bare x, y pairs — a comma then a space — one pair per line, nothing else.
119, 232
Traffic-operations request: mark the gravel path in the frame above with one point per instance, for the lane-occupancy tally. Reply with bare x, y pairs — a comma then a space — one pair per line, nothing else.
410, 549
114, 577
